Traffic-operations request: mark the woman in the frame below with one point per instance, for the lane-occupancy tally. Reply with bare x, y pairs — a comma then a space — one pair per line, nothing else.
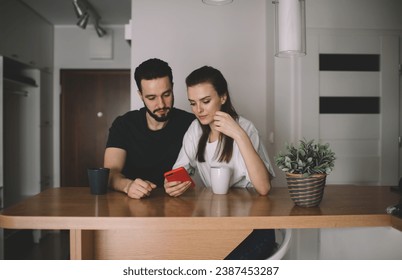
220, 137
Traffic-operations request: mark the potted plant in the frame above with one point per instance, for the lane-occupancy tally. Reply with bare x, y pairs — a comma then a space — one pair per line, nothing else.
306, 167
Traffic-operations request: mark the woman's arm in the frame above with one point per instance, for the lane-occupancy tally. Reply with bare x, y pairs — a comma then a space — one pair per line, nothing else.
256, 168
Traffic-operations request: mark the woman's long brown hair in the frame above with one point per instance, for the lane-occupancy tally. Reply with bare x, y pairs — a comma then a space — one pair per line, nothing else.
210, 75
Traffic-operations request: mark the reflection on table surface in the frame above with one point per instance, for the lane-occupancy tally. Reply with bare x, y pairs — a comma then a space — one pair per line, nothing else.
198, 202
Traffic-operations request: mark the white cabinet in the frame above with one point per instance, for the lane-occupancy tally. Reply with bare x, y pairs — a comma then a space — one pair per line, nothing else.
26, 126
21, 131
24, 36
19, 135
27, 38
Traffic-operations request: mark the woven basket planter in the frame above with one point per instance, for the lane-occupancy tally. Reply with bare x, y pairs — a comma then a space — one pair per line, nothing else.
306, 192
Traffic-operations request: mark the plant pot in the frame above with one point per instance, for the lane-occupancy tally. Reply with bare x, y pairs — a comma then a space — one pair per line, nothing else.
306, 191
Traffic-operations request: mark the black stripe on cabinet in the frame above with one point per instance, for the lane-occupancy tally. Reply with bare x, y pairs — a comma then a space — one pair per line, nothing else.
349, 105
349, 62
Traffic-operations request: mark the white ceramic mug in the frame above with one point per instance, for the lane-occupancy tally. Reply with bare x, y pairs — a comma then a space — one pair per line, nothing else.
220, 179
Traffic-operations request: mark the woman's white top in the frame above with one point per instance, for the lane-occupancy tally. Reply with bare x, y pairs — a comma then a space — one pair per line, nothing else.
240, 177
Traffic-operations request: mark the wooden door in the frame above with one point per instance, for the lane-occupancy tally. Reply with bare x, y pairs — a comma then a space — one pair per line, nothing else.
90, 101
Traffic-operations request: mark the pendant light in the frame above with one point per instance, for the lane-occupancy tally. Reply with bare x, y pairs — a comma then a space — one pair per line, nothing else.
290, 28
217, 2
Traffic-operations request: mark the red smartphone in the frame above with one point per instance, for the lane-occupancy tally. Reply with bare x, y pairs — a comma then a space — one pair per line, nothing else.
179, 174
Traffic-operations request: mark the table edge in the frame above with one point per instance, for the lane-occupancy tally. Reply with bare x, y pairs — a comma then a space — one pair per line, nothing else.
197, 223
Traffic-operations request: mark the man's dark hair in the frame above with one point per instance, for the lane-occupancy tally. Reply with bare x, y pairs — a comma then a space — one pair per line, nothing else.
152, 69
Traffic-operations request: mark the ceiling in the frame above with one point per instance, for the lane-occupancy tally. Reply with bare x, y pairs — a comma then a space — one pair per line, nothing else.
61, 12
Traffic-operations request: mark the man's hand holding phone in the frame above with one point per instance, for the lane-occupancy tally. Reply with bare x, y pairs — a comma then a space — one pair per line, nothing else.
177, 181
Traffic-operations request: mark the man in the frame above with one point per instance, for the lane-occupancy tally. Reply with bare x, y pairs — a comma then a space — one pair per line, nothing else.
143, 144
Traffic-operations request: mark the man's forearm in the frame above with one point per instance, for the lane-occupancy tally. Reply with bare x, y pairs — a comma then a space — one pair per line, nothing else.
119, 183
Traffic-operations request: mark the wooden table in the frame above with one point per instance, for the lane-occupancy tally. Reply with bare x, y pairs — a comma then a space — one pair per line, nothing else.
197, 225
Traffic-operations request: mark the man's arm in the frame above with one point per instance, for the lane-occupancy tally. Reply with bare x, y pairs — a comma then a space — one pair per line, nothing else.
115, 159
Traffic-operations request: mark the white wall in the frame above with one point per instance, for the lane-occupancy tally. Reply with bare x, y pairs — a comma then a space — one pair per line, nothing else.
355, 14
75, 48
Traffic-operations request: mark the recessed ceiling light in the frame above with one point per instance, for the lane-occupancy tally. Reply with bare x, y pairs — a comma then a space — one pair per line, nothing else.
217, 2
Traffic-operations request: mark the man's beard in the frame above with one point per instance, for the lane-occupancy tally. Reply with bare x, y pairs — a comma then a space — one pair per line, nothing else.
159, 118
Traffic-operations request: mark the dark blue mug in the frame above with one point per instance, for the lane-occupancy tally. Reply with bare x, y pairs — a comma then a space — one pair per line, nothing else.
98, 178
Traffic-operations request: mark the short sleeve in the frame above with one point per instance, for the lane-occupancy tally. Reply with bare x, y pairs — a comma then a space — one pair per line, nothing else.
117, 135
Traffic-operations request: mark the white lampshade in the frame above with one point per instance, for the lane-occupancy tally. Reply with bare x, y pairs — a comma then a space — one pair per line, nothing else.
217, 2
290, 28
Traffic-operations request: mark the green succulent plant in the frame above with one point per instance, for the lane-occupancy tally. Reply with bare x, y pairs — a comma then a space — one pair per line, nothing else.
308, 158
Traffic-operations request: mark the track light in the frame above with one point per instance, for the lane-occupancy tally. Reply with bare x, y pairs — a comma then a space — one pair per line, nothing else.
84, 11
78, 8
83, 20
100, 31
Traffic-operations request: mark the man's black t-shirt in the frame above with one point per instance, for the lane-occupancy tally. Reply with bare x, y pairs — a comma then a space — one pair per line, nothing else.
149, 153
